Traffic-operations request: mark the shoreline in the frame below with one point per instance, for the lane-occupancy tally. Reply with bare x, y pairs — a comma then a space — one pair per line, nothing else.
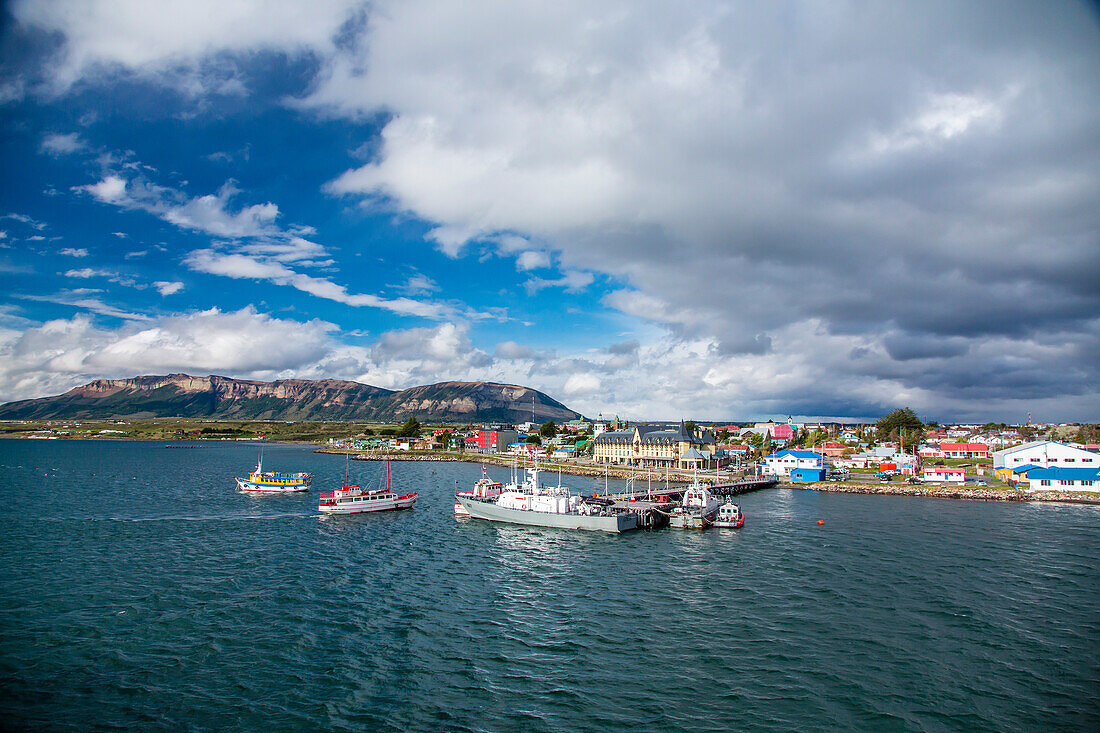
961, 493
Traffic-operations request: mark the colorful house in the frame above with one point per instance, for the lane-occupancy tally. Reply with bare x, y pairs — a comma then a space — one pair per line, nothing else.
965, 450
780, 464
1063, 479
944, 474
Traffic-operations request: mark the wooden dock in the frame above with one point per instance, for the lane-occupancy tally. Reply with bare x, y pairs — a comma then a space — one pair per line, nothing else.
676, 493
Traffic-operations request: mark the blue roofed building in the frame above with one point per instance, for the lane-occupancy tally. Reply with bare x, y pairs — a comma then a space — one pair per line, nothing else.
1059, 478
780, 464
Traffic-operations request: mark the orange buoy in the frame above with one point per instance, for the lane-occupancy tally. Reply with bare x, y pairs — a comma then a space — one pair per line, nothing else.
821, 521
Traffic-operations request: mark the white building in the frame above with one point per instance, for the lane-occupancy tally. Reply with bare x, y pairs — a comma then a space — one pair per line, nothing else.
780, 464
1045, 453
944, 474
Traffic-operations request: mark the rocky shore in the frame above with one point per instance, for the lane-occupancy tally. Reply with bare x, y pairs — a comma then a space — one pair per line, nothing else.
971, 493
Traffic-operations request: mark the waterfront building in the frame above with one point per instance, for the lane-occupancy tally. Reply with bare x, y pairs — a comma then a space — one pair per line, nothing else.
1063, 479
1042, 453
944, 474
656, 446
780, 464
807, 475
495, 441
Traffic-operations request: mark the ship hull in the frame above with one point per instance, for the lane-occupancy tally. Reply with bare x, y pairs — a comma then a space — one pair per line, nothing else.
484, 510
243, 485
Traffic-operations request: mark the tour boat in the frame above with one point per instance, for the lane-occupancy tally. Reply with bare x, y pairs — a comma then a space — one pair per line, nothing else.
484, 488
274, 482
729, 516
351, 499
697, 510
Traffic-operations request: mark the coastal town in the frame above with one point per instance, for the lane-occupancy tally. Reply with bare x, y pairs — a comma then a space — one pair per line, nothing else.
1032, 458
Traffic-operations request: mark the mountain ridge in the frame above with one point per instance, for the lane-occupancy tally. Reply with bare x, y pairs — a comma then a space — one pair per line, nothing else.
218, 397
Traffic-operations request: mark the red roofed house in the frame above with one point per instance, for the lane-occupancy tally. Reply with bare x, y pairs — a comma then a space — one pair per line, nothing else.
965, 450
833, 449
782, 432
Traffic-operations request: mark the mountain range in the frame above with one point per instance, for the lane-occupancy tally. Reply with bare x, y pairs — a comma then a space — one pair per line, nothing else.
214, 397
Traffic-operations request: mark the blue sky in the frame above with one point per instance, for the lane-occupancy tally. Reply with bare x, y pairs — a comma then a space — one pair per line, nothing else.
722, 212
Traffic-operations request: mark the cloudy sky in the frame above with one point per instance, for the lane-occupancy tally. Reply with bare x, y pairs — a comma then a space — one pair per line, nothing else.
659, 210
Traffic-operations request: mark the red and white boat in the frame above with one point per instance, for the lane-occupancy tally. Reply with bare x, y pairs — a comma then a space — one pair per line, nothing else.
484, 488
351, 499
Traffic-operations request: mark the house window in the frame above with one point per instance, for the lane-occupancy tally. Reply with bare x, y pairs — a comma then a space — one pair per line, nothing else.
1069, 460
1044, 482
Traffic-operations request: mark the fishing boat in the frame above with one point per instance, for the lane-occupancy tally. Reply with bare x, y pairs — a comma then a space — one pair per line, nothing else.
351, 499
698, 509
484, 488
274, 482
548, 506
729, 516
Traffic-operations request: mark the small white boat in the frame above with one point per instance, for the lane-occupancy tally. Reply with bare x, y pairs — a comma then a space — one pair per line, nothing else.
274, 482
729, 516
698, 509
484, 488
351, 499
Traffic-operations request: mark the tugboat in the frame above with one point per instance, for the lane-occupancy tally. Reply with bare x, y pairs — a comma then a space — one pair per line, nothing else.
698, 510
350, 499
274, 482
729, 516
484, 488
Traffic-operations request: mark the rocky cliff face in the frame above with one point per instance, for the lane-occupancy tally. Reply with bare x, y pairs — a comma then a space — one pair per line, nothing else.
183, 395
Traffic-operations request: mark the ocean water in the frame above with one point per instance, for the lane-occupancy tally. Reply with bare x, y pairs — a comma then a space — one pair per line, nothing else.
139, 589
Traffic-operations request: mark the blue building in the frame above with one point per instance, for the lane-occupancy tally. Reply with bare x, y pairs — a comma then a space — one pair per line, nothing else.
807, 475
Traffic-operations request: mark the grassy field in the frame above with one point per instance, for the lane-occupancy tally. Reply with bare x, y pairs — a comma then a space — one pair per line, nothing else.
185, 429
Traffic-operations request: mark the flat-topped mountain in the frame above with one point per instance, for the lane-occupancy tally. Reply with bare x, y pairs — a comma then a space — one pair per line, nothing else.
182, 395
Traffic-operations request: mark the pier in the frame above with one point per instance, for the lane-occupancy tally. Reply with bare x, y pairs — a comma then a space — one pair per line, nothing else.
676, 493
654, 505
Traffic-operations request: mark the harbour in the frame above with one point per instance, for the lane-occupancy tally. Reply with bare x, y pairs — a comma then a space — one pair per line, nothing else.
491, 626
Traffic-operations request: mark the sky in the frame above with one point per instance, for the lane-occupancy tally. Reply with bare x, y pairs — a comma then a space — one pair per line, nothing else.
658, 210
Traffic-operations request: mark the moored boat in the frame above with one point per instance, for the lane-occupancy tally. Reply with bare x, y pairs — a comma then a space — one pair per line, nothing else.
729, 516
484, 488
698, 509
547, 506
273, 481
351, 499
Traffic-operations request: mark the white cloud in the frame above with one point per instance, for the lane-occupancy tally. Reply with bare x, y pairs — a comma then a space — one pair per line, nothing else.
169, 44
87, 272
71, 252
582, 384
168, 288
418, 284
244, 267
532, 260
57, 144
111, 189
61, 354
572, 280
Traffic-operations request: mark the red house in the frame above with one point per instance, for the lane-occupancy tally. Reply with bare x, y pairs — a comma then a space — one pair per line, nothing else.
965, 450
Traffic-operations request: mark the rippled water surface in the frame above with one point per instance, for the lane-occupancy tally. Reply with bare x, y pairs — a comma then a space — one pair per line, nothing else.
139, 589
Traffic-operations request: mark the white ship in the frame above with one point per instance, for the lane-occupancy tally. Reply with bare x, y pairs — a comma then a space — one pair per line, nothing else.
484, 488
547, 506
698, 510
